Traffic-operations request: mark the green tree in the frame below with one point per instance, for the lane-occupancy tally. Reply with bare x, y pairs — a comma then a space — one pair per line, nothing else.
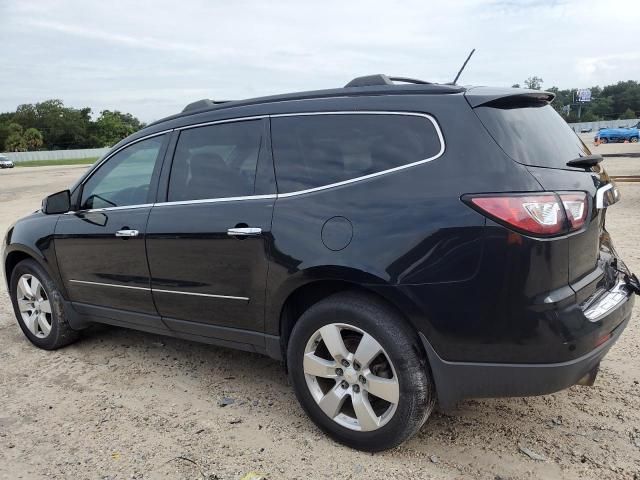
14, 141
628, 114
602, 107
113, 126
33, 139
15, 128
534, 83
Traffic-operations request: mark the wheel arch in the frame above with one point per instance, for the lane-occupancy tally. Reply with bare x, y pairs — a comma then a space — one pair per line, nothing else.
16, 253
309, 292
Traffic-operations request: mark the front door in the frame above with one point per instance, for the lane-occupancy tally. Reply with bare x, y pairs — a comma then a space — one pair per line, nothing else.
206, 244
101, 246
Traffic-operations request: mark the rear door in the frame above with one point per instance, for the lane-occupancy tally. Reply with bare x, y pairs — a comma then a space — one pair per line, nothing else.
207, 241
530, 131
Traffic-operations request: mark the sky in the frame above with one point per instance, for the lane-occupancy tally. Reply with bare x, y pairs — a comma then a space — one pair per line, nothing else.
151, 58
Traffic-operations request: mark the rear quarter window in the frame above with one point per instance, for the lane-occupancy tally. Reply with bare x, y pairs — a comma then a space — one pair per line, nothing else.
312, 151
532, 133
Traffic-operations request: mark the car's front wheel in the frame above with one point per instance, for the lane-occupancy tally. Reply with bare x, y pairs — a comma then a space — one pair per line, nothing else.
359, 372
38, 307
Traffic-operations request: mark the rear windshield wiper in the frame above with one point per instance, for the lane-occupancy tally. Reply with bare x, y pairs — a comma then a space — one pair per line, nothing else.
585, 162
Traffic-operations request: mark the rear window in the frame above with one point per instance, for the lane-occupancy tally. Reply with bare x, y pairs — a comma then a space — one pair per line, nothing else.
532, 133
215, 161
315, 150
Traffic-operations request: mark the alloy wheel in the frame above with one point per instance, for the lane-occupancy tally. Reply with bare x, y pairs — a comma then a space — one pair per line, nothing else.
351, 377
34, 305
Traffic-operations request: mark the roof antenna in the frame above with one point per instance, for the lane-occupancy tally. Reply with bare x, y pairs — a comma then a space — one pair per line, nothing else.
463, 65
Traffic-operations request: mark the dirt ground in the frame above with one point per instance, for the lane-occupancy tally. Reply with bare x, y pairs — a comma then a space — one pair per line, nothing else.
124, 404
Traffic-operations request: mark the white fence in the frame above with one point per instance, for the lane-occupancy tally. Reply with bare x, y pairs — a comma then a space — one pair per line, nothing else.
56, 154
594, 126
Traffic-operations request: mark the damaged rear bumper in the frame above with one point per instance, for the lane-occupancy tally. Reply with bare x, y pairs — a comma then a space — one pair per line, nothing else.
459, 380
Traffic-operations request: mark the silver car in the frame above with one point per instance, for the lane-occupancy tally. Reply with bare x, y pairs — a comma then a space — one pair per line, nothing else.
5, 162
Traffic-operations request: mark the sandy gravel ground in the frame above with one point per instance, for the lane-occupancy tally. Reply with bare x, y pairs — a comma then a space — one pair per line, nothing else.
122, 404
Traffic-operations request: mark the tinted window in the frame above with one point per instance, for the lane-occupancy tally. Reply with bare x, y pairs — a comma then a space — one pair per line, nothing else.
316, 150
125, 178
216, 161
532, 133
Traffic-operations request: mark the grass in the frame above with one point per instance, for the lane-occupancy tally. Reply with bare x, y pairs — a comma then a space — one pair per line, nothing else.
64, 161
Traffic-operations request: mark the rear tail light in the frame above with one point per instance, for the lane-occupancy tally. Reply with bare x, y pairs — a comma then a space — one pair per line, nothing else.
539, 214
575, 206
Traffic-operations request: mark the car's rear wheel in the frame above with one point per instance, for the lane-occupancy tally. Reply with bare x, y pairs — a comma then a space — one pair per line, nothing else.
38, 307
359, 372
634, 140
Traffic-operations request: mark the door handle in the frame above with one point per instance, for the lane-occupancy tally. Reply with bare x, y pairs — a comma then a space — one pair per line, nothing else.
244, 232
127, 233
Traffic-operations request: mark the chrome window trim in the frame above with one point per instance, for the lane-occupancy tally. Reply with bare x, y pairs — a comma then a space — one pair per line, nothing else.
288, 194
98, 164
227, 120
322, 187
111, 154
371, 175
109, 209
216, 200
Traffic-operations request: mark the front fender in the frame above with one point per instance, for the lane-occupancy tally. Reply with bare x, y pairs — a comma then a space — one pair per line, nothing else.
32, 236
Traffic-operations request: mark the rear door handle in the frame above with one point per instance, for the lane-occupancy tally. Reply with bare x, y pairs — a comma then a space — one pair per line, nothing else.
127, 233
244, 232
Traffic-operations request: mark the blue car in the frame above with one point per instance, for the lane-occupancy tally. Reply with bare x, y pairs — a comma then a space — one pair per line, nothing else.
612, 135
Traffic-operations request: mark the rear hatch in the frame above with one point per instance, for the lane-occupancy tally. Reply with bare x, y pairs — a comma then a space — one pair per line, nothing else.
529, 130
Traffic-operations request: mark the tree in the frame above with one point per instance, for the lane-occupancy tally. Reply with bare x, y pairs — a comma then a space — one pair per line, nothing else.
33, 139
63, 127
113, 126
534, 83
602, 107
15, 140
515, 85
628, 114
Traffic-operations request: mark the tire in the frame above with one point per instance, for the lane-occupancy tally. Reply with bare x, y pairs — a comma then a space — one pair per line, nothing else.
59, 333
604, 140
384, 424
634, 140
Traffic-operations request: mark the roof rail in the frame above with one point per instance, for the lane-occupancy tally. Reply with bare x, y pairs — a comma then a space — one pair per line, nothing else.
204, 103
380, 79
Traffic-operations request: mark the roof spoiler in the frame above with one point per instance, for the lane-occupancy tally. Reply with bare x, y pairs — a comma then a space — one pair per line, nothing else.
478, 96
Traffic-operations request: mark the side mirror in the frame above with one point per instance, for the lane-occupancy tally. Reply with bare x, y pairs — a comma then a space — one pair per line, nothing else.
57, 203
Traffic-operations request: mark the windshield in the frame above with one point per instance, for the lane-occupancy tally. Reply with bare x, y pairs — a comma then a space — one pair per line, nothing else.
532, 133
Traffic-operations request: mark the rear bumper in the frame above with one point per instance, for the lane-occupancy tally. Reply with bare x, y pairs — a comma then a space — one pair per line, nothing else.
458, 380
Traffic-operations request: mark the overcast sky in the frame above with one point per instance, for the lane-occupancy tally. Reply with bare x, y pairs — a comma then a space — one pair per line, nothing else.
152, 58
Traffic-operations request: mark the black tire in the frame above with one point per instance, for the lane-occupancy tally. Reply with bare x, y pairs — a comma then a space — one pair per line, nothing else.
634, 140
402, 346
61, 333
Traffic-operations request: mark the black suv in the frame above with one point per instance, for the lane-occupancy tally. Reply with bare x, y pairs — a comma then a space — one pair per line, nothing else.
394, 243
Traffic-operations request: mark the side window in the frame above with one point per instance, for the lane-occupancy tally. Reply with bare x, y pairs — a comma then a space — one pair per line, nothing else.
316, 150
216, 161
125, 178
